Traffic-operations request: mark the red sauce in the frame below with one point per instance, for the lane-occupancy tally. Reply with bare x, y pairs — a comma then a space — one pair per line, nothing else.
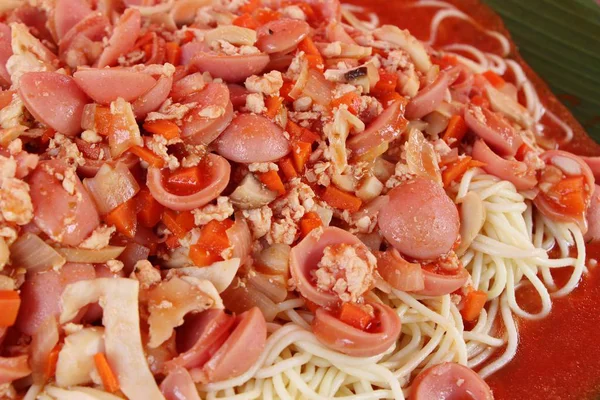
558, 357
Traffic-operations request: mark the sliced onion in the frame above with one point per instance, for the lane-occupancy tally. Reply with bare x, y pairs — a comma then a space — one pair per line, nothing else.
398, 272
220, 274
90, 256
239, 297
133, 253
43, 341
126, 132
240, 238
111, 187
275, 259
298, 88
272, 286
421, 157
35, 255
251, 194
318, 88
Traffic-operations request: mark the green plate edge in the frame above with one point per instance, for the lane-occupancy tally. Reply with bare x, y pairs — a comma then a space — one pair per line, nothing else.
560, 39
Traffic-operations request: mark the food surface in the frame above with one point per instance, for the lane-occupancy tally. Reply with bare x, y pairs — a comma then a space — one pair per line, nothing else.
246, 199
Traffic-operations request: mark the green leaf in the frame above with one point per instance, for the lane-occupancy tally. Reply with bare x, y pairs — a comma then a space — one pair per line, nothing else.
560, 39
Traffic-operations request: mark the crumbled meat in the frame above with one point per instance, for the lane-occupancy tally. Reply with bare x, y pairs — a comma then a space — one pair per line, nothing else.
15, 202
14, 114
145, 273
63, 147
170, 110
263, 167
302, 104
158, 145
69, 180
99, 239
255, 103
219, 212
268, 84
115, 265
259, 220
283, 230
346, 270
298, 200
91, 136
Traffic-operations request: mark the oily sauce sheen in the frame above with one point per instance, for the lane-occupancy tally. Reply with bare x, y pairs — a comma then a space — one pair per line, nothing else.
558, 358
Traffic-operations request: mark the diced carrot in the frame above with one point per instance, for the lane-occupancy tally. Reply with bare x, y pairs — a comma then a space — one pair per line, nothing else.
109, 379
103, 120
476, 163
496, 80
148, 48
145, 154
480, 101
264, 15
301, 134
570, 194
202, 257
10, 301
522, 151
179, 223
272, 181
474, 302
167, 129
213, 240
185, 181
337, 198
250, 6
286, 166
286, 89
351, 100
387, 83
273, 104
188, 36
354, 315
246, 21
150, 210
456, 130
312, 307
124, 218
50, 367
172, 242
315, 62
47, 136
386, 99
173, 53
144, 40
305, 7
455, 170
300, 154
446, 61
310, 221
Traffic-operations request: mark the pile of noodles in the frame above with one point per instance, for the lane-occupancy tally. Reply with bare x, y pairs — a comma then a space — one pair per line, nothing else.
510, 251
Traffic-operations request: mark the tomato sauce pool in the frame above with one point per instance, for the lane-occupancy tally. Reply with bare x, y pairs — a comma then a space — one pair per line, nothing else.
559, 356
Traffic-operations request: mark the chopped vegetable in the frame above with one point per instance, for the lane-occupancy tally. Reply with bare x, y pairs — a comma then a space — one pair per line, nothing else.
351, 100
310, 221
496, 80
10, 301
300, 154
173, 53
212, 242
185, 181
246, 20
312, 54
50, 369
299, 133
109, 380
168, 129
272, 181
474, 302
569, 194
480, 101
337, 198
124, 218
355, 315
286, 166
150, 210
273, 104
455, 170
179, 223
456, 130
152, 159
386, 84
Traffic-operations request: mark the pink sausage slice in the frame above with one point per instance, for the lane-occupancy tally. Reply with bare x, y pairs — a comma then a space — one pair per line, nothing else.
210, 117
13, 368
216, 171
54, 99
67, 13
420, 220
441, 284
428, 99
66, 218
153, 98
450, 381
282, 35
349, 340
305, 256
593, 218
40, 294
93, 27
5, 53
123, 38
252, 138
106, 85
231, 68
516, 172
494, 129
178, 385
